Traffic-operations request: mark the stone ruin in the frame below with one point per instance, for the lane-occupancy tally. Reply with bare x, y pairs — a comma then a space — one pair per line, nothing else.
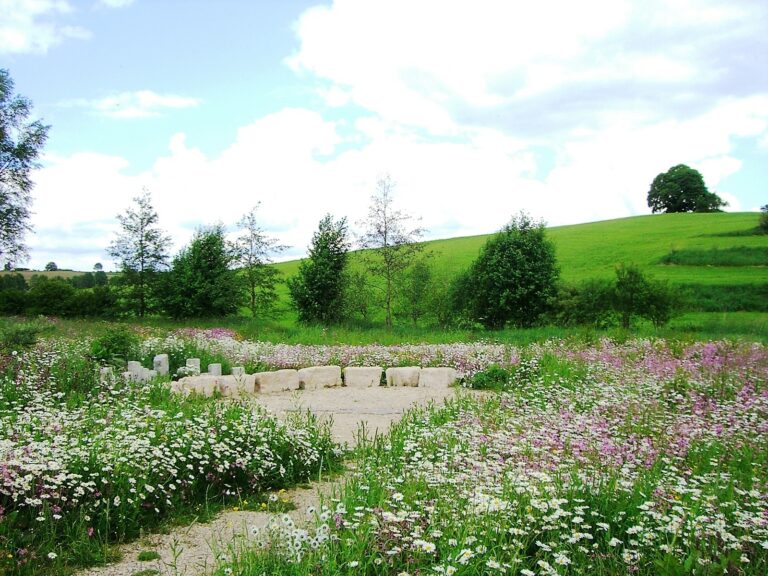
238, 383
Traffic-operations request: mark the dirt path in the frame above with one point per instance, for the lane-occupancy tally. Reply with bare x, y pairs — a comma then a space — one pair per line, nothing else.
192, 550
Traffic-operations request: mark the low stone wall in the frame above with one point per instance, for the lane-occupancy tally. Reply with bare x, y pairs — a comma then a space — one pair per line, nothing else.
240, 384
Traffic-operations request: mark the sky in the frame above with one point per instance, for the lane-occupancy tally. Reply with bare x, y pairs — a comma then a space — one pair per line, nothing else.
476, 110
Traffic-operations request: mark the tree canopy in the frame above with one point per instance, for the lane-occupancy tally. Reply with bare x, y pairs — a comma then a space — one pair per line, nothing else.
317, 290
20, 145
682, 189
514, 278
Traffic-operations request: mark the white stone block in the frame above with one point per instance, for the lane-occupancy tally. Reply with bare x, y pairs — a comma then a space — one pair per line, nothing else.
214, 369
194, 363
238, 371
318, 377
437, 377
106, 374
405, 376
362, 376
134, 367
128, 376
236, 386
161, 364
277, 381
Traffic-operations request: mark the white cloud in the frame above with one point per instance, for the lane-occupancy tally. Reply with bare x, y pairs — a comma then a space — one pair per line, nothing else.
116, 3
138, 104
34, 26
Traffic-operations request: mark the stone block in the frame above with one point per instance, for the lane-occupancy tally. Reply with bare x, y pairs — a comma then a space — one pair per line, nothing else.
437, 377
134, 367
236, 386
194, 363
238, 371
277, 381
362, 376
214, 369
318, 377
405, 376
161, 364
106, 374
204, 384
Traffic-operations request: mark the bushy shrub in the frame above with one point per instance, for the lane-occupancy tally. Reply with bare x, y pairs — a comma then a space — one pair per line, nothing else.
763, 222
116, 346
18, 335
492, 378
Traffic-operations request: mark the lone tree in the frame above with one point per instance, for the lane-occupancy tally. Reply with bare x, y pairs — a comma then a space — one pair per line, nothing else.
396, 244
317, 290
141, 250
202, 281
253, 253
682, 189
514, 278
20, 146
51, 267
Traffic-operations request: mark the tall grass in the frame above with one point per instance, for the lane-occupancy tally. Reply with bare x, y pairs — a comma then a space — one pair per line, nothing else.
732, 256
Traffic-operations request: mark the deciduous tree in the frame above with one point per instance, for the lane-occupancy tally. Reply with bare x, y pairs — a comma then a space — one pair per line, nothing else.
394, 242
317, 290
682, 189
141, 251
253, 253
20, 145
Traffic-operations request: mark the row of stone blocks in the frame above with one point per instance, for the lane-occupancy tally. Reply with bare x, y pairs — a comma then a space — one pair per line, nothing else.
314, 378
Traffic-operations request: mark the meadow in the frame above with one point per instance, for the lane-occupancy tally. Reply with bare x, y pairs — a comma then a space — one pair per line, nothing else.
586, 456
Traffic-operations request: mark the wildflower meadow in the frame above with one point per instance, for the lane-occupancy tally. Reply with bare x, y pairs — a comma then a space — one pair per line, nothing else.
639, 458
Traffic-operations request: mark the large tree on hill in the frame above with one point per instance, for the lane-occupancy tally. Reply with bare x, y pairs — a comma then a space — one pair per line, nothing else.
317, 290
395, 243
514, 278
682, 189
141, 251
20, 145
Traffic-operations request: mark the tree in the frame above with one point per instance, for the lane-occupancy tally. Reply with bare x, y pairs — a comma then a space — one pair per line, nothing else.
415, 292
396, 244
253, 253
635, 294
141, 250
763, 222
51, 267
202, 281
514, 278
682, 189
20, 146
317, 290
98, 267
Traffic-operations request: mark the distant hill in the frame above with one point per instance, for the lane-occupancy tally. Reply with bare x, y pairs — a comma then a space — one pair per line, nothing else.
594, 249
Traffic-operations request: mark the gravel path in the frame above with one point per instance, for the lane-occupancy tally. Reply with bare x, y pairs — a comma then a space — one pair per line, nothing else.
192, 550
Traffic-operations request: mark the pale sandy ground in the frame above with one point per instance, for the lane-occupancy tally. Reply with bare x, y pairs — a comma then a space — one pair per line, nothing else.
191, 550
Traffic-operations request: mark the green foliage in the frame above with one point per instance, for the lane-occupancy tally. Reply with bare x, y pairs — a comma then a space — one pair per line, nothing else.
514, 279
396, 243
492, 378
19, 335
763, 221
727, 297
116, 346
20, 145
358, 297
317, 291
682, 189
586, 304
202, 281
414, 295
50, 296
637, 295
730, 256
253, 251
141, 249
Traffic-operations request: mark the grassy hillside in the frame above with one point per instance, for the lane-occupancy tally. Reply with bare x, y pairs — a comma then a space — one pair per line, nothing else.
593, 249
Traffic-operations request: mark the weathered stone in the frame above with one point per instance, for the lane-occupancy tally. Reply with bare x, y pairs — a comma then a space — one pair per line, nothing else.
161, 364
204, 384
134, 367
236, 386
214, 369
362, 376
106, 374
194, 363
277, 381
405, 376
238, 371
437, 377
128, 376
318, 377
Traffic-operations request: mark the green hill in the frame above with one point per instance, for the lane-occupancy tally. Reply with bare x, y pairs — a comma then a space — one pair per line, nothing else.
594, 249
